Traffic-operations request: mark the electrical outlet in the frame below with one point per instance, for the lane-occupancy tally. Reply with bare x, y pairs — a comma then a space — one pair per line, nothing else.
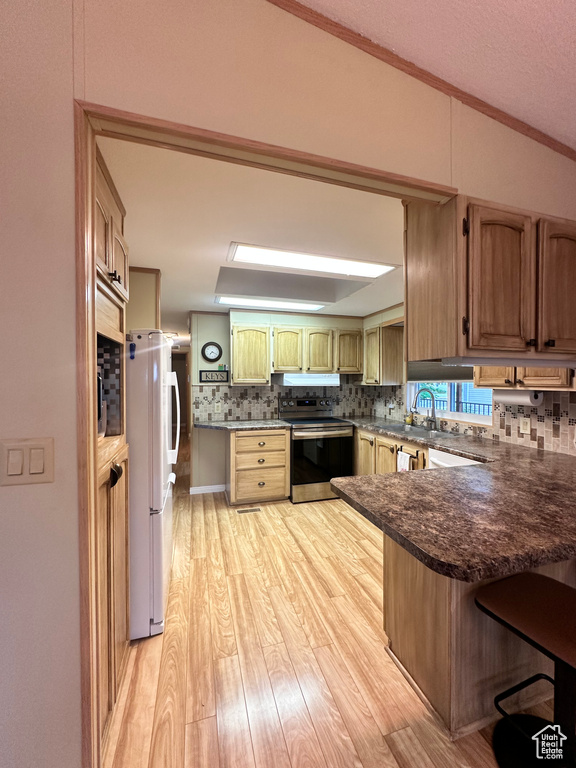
525, 426
218, 407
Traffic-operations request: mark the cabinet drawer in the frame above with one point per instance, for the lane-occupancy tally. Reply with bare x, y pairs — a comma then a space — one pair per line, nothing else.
261, 460
258, 443
261, 484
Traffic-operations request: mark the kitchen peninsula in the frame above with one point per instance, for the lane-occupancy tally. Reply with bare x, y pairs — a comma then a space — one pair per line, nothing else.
448, 531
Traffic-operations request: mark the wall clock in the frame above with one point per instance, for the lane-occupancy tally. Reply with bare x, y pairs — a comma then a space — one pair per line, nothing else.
211, 351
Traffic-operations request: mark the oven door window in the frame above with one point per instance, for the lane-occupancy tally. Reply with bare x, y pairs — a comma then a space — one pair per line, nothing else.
318, 460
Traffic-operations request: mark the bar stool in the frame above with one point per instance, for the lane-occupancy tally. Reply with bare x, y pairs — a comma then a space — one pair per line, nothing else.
542, 611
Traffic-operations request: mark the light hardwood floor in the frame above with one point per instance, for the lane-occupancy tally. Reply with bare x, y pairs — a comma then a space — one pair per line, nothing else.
273, 652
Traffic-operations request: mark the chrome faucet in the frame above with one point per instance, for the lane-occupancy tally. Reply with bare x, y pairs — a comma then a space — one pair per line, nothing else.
430, 420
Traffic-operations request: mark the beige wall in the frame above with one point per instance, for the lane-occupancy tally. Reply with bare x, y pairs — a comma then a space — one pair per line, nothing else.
39, 599
143, 304
243, 68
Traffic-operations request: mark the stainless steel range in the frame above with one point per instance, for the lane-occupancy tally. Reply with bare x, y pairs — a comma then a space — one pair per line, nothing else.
322, 447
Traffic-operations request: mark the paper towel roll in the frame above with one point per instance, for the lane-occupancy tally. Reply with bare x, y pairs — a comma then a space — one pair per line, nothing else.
518, 397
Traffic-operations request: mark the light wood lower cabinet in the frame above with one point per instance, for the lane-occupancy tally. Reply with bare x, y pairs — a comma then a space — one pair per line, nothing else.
377, 454
112, 583
455, 654
258, 466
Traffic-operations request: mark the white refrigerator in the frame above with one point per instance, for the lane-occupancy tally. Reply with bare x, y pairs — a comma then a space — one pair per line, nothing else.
153, 451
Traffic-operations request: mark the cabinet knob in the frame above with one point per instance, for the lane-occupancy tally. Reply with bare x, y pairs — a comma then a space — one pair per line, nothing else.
371, 442
261, 483
550, 343
261, 442
531, 343
507, 381
391, 449
261, 461
116, 473
519, 381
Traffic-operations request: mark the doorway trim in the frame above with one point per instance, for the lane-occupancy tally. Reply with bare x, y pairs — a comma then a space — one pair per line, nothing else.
90, 121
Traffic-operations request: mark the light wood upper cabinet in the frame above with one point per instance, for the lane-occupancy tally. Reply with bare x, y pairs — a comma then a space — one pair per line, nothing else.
557, 284
288, 350
348, 351
488, 281
110, 248
251, 355
318, 350
522, 378
392, 355
372, 373
501, 269
496, 377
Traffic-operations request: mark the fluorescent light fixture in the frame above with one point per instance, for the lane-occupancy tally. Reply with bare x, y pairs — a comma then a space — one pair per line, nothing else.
296, 306
270, 257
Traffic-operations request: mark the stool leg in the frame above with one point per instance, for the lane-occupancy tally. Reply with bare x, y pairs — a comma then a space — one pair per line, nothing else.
565, 703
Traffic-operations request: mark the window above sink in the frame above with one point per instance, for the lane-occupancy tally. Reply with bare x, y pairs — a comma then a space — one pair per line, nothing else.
457, 401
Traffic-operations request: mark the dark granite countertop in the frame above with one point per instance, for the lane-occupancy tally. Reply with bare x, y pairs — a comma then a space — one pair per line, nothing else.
232, 426
513, 512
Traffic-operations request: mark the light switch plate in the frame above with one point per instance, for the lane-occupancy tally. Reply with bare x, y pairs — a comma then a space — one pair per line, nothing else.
525, 426
26, 445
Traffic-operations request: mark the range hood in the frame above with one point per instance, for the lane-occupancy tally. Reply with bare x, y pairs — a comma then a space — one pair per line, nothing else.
532, 362
311, 379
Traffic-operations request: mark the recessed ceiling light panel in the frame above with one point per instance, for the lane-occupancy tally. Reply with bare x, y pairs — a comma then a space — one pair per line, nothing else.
241, 301
270, 257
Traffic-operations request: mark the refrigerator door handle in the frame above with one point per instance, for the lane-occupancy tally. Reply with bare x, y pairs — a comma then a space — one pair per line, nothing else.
173, 452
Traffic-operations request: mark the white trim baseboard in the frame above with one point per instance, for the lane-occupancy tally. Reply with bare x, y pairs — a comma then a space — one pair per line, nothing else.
196, 489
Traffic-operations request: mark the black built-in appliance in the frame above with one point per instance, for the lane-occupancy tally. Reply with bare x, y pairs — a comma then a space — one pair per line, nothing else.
322, 447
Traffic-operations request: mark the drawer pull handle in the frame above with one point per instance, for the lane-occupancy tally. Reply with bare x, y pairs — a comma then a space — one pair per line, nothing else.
261, 442
261, 461
261, 483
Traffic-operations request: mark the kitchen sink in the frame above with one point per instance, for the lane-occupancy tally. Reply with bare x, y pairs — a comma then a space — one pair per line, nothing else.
423, 432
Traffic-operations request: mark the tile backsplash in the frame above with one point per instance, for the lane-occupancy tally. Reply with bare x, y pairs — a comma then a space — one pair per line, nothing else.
552, 424
239, 403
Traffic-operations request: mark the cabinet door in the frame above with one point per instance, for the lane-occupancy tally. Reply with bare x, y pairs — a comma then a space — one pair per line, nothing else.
392, 351
501, 280
120, 570
494, 376
372, 356
287, 350
364, 453
104, 665
318, 350
557, 287
119, 260
348, 351
250, 355
102, 230
419, 452
385, 455
543, 378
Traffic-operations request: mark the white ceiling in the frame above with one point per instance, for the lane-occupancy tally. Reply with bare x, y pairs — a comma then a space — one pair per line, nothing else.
184, 211
517, 55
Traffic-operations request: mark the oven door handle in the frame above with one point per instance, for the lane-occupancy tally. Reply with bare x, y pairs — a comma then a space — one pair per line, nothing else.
310, 434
